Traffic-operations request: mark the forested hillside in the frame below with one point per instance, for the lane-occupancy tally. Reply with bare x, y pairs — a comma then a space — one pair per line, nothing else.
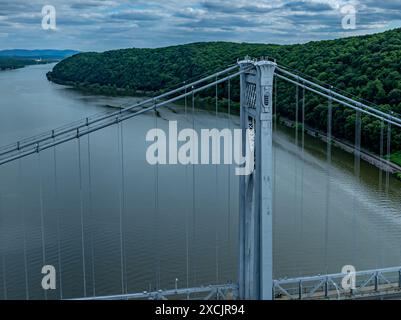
16, 63
38, 54
368, 67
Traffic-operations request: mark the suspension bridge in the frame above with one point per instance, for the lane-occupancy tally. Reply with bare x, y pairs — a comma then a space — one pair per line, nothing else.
258, 108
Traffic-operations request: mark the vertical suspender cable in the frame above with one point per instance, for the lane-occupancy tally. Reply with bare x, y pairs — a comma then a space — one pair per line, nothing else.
381, 154
22, 208
122, 205
187, 209
301, 216
296, 114
229, 174
58, 217
193, 186
157, 240
378, 232
275, 103
275, 151
357, 169
42, 214
185, 100
92, 217
303, 119
217, 193
388, 152
328, 156
329, 129
3, 250
296, 173
388, 157
358, 144
81, 200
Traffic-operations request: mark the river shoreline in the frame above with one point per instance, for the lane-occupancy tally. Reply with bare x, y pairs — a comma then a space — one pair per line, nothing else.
366, 155
18, 67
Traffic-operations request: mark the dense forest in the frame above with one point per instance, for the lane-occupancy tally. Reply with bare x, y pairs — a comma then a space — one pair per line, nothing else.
368, 67
16, 58
45, 54
16, 63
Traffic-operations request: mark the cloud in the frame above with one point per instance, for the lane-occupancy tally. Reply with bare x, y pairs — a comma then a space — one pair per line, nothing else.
92, 4
107, 24
136, 15
314, 7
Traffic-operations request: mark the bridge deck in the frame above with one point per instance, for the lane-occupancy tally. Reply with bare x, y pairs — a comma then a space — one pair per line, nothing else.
386, 291
371, 284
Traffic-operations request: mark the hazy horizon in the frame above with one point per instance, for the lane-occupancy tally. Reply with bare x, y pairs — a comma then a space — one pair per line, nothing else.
72, 49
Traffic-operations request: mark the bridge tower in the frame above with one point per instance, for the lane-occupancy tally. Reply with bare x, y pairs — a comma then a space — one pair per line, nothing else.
256, 190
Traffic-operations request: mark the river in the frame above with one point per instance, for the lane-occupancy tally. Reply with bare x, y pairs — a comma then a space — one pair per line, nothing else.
77, 214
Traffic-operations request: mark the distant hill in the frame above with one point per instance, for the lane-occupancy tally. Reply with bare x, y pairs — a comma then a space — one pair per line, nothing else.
10, 63
366, 66
38, 54
19, 58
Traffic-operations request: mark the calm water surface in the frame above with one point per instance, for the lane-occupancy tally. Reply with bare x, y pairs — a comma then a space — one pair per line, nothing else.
186, 228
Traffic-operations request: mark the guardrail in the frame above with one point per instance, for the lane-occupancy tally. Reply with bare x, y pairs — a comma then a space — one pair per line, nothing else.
367, 284
213, 292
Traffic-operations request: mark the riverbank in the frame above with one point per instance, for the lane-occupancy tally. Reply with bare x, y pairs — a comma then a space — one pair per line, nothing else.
393, 165
204, 103
388, 166
2, 68
14, 63
97, 89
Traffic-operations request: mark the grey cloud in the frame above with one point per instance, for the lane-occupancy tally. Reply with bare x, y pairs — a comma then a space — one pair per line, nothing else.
135, 16
106, 24
220, 23
91, 4
386, 4
229, 7
307, 6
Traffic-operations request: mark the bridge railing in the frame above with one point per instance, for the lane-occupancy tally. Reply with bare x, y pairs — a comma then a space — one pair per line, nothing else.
367, 283
213, 292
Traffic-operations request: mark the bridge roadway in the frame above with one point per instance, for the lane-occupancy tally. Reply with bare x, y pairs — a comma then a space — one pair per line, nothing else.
378, 284
370, 284
385, 292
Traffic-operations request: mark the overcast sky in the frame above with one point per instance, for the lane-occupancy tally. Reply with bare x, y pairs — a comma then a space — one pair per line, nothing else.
98, 25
